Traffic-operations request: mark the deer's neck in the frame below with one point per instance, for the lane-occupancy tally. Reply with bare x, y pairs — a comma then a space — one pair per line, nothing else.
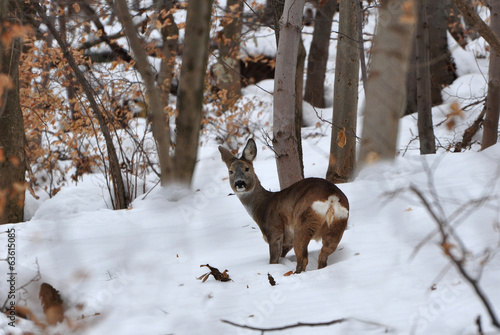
256, 201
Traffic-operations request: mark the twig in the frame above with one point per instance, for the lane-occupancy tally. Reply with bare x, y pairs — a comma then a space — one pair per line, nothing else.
446, 231
35, 278
308, 324
349, 132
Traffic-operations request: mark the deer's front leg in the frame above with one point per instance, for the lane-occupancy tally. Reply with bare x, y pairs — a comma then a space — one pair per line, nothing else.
275, 249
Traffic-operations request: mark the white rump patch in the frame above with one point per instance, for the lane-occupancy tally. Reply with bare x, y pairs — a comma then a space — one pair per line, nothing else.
331, 209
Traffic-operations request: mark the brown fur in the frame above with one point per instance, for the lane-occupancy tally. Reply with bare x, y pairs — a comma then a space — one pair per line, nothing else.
287, 218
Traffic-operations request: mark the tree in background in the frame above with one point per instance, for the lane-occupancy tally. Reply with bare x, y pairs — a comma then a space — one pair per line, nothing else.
190, 93
490, 125
12, 155
161, 130
227, 70
386, 86
285, 140
318, 54
345, 97
441, 65
424, 103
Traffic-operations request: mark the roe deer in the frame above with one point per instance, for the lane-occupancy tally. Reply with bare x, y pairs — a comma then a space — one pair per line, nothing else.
311, 208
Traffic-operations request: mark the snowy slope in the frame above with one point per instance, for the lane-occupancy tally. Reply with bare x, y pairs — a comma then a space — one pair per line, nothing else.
137, 268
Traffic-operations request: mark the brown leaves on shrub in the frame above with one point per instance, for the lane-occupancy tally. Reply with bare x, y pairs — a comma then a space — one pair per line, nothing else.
219, 276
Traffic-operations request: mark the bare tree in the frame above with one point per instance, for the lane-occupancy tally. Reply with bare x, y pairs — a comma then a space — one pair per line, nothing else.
424, 104
12, 155
227, 70
345, 96
318, 54
285, 139
161, 131
190, 93
442, 66
490, 125
386, 86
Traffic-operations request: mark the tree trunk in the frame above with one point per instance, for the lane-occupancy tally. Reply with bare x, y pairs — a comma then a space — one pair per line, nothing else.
490, 125
424, 104
318, 54
160, 127
345, 97
190, 94
12, 155
442, 67
299, 87
169, 33
285, 140
475, 21
227, 69
386, 88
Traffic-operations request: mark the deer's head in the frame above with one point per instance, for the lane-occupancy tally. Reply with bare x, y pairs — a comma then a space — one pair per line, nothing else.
241, 173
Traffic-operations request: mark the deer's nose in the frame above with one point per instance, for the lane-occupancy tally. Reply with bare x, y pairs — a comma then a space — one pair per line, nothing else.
240, 185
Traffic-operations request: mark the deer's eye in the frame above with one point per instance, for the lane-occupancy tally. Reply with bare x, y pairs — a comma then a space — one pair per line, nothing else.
247, 169
231, 172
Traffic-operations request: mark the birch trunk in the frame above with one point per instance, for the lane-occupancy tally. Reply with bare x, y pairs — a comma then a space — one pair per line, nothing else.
345, 97
285, 139
386, 86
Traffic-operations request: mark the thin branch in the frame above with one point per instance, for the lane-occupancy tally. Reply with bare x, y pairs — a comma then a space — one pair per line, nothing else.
475, 21
309, 324
119, 188
457, 261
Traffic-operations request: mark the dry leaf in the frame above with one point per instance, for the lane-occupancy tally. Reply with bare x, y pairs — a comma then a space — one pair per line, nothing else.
219, 276
447, 247
52, 304
341, 138
289, 273
5, 83
455, 111
271, 280
372, 157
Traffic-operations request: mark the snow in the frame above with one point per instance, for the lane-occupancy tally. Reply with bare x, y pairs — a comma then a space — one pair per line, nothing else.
135, 271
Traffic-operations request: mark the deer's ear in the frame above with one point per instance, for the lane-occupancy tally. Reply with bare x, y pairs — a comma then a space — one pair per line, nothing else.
250, 151
226, 155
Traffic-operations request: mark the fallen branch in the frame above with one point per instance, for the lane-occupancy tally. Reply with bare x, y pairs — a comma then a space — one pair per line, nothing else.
470, 132
309, 324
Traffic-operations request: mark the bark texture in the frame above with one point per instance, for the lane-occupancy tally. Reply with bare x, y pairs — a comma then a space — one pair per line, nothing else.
345, 97
285, 139
490, 125
190, 93
424, 103
12, 155
318, 54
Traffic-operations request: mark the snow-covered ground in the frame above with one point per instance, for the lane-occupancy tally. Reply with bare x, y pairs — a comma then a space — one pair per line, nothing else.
135, 271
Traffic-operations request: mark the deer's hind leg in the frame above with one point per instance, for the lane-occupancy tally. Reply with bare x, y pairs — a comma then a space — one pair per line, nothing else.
331, 236
306, 228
